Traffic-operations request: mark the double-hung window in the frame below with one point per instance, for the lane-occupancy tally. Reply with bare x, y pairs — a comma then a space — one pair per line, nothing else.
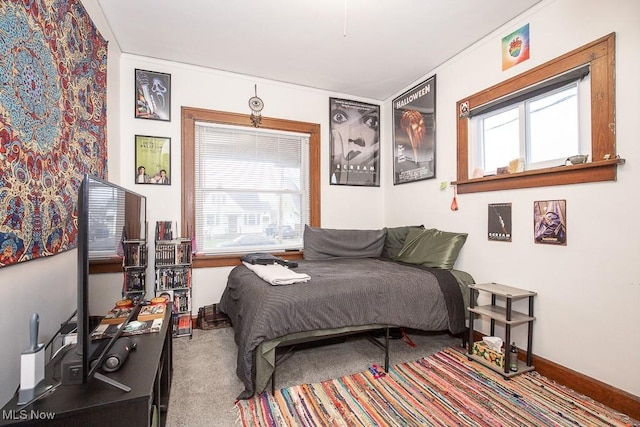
538, 127
251, 189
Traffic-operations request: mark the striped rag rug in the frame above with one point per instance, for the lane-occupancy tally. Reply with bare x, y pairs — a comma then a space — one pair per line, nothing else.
445, 389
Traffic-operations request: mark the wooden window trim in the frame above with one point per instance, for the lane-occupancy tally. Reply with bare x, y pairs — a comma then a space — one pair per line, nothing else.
600, 54
192, 115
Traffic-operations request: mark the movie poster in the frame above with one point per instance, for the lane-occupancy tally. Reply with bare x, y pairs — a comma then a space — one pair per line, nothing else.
355, 143
499, 222
414, 123
550, 222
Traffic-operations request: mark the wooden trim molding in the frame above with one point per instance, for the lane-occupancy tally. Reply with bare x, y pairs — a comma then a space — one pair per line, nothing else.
192, 115
600, 55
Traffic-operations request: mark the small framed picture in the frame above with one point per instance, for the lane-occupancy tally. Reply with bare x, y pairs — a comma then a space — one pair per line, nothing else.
550, 222
153, 160
499, 222
153, 95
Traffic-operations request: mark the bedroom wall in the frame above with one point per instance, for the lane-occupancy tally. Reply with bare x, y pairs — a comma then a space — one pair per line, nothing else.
343, 206
47, 286
588, 291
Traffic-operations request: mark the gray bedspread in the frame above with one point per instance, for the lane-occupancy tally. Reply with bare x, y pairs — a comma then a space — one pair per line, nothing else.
341, 292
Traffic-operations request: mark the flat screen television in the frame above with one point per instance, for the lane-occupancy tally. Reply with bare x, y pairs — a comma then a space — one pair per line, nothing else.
107, 213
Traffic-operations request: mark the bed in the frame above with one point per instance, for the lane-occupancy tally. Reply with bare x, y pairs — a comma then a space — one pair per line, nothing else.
358, 280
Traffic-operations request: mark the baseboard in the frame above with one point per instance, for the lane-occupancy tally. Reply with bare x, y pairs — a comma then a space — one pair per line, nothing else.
613, 397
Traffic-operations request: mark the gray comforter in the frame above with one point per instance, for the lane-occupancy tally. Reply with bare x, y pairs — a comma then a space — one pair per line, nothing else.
341, 292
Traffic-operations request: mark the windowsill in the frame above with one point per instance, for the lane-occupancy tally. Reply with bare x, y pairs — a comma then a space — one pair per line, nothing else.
603, 170
201, 260
105, 265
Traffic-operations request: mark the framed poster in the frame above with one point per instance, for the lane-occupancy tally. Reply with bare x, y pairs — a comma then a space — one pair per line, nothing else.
414, 133
153, 160
355, 143
153, 95
550, 222
499, 222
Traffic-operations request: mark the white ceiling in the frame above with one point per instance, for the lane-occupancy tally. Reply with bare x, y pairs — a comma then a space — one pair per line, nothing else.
364, 48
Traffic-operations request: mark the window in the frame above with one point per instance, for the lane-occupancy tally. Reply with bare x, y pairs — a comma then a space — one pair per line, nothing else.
247, 189
540, 131
561, 108
249, 182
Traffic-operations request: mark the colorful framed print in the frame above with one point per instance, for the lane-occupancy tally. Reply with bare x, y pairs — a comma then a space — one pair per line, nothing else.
515, 47
550, 222
153, 95
153, 160
355, 143
499, 222
414, 133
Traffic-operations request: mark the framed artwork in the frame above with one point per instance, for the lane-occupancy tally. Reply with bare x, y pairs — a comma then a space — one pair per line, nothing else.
153, 160
355, 143
153, 95
499, 222
550, 222
515, 47
414, 133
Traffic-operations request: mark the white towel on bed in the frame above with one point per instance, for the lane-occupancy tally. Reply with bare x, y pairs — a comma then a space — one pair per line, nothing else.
276, 274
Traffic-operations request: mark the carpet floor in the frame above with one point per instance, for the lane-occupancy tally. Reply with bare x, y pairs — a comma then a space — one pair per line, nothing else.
445, 389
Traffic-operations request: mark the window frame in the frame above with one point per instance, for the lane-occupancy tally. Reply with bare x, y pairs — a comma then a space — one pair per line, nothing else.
192, 115
600, 54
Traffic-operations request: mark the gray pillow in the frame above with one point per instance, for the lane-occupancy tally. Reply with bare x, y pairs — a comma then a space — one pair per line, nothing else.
327, 243
394, 241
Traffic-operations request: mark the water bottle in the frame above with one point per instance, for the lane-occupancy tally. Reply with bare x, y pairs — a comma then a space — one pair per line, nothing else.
513, 358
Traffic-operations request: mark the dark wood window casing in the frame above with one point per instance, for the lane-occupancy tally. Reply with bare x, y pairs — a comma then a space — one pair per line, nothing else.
600, 55
189, 118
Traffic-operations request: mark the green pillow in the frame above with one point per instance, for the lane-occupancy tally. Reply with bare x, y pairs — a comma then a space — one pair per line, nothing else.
394, 241
432, 248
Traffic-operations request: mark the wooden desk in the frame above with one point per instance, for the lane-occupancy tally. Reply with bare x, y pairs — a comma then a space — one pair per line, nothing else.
147, 371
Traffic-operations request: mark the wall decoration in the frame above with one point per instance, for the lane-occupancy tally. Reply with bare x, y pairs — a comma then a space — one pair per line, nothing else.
355, 143
550, 222
414, 133
53, 76
153, 95
499, 222
153, 160
515, 47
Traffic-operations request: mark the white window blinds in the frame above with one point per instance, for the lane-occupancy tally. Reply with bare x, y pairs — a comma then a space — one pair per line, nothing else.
251, 189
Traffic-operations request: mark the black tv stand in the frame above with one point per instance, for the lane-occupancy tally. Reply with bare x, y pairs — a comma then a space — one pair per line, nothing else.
147, 373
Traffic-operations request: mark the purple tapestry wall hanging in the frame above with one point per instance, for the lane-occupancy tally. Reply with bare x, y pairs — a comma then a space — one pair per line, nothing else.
53, 86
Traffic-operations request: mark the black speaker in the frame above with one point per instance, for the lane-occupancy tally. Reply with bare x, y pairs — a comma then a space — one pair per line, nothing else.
118, 354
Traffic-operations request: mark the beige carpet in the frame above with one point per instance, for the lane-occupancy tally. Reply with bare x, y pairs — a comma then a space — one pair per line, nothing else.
205, 385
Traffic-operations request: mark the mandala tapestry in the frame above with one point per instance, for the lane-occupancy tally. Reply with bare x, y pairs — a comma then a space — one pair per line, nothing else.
53, 79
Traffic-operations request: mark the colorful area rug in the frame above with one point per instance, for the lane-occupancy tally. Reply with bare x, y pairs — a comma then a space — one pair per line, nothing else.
445, 389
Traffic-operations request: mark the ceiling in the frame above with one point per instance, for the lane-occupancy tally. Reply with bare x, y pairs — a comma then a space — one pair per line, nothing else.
364, 48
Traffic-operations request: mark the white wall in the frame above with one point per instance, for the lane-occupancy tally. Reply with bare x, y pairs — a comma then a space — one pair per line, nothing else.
343, 206
47, 286
588, 291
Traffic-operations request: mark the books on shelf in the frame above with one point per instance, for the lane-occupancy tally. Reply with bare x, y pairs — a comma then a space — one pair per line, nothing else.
182, 324
135, 254
134, 281
163, 230
181, 300
170, 278
173, 253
